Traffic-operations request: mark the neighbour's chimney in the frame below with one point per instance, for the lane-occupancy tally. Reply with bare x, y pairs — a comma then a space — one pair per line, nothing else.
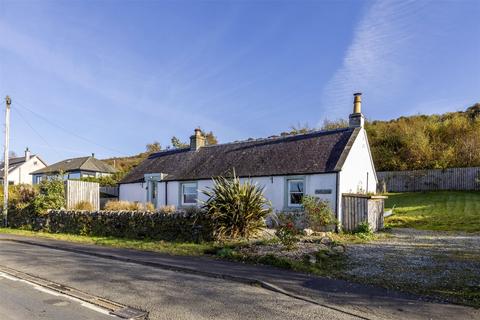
27, 154
197, 140
356, 119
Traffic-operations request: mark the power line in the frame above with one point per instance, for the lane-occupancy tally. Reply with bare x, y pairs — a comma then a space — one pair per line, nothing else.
17, 111
68, 131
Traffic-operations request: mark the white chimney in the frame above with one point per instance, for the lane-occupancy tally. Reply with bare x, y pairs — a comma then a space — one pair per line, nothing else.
356, 119
27, 154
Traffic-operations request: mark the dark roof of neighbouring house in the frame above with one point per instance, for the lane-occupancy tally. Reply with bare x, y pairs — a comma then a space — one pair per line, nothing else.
78, 164
314, 152
16, 162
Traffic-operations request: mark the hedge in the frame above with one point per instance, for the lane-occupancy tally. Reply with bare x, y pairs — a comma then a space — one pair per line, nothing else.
186, 226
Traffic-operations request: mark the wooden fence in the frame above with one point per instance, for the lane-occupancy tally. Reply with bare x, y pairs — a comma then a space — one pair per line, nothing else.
78, 191
429, 180
357, 208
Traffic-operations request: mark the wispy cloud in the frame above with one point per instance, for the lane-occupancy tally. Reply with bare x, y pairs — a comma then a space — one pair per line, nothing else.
374, 63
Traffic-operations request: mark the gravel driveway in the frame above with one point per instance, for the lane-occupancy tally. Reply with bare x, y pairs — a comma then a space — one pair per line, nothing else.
431, 263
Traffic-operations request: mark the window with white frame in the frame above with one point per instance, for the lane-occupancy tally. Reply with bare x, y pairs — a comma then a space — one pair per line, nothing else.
189, 193
296, 189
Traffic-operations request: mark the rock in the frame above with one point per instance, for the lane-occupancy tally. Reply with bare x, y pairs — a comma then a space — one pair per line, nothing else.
326, 241
308, 232
338, 249
323, 247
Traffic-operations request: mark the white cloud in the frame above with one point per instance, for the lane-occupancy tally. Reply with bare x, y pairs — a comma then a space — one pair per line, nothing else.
375, 62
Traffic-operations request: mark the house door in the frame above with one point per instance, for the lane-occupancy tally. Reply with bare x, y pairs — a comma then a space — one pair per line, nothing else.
152, 192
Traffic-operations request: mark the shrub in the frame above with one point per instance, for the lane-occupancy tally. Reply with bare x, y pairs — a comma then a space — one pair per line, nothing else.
116, 205
237, 209
84, 205
167, 209
318, 212
364, 227
149, 206
286, 232
21, 196
51, 195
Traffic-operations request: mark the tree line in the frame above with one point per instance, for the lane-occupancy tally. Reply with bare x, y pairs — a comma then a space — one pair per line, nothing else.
424, 141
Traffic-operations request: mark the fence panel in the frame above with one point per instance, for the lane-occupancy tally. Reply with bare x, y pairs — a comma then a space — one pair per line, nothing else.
77, 191
467, 179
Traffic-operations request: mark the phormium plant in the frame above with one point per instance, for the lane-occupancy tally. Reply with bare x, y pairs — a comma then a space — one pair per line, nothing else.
238, 210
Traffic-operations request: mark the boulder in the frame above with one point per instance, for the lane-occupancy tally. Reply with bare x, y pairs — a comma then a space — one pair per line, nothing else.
308, 232
326, 240
338, 249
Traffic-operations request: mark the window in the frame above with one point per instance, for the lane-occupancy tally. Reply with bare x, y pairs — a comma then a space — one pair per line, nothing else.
74, 175
295, 192
189, 193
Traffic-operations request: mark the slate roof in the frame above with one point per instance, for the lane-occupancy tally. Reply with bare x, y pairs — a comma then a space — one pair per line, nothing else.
77, 164
315, 152
14, 163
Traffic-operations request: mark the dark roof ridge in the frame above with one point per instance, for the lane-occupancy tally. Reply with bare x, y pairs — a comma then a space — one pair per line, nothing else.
285, 137
273, 138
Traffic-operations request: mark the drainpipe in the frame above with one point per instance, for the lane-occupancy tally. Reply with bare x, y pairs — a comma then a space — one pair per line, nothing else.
337, 202
166, 193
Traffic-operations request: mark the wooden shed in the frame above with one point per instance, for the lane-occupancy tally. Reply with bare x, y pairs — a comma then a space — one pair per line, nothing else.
358, 208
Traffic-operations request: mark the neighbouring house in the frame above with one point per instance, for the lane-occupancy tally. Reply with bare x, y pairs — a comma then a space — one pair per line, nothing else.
326, 164
75, 168
20, 168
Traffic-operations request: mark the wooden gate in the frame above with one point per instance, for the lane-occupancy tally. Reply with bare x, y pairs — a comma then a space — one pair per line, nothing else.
78, 191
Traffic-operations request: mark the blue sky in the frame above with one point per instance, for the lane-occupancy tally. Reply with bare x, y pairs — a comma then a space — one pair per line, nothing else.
111, 76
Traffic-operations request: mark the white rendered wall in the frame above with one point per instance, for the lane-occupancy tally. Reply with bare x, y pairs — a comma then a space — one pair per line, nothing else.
21, 175
358, 173
133, 192
274, 190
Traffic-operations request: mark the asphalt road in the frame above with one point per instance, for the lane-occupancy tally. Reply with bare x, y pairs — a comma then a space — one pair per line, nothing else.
164, 294
22, 301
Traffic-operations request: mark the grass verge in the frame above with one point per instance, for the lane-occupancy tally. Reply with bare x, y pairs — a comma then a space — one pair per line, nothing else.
440, 210
226, 250
173, 248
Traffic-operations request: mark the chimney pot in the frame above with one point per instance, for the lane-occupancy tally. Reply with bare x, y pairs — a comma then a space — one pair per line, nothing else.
357, 102
356, 119
93, 155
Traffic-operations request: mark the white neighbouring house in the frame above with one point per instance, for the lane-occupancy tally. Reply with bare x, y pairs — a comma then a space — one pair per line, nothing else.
20, 168
325, 164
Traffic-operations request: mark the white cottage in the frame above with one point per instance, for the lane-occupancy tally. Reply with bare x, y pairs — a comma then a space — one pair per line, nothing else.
20, 168
321, 163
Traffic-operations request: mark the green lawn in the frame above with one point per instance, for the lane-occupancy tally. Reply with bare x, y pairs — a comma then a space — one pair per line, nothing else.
441, 210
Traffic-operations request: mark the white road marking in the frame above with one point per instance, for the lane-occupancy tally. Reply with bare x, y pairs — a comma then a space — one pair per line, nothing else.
58, 294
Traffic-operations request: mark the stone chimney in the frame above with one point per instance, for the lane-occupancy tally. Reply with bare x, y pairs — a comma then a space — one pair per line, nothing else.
27, 154
356, 119
197, 140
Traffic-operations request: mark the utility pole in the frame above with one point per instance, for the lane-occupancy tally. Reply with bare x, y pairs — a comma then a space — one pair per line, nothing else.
8, 101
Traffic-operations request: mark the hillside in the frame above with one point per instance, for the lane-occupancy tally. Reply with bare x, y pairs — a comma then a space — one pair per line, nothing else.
427, 141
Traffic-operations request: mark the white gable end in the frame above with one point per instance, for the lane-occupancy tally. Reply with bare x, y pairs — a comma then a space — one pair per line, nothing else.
358, 172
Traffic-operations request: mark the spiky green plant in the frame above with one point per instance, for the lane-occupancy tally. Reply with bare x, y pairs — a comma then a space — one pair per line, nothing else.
238, 210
